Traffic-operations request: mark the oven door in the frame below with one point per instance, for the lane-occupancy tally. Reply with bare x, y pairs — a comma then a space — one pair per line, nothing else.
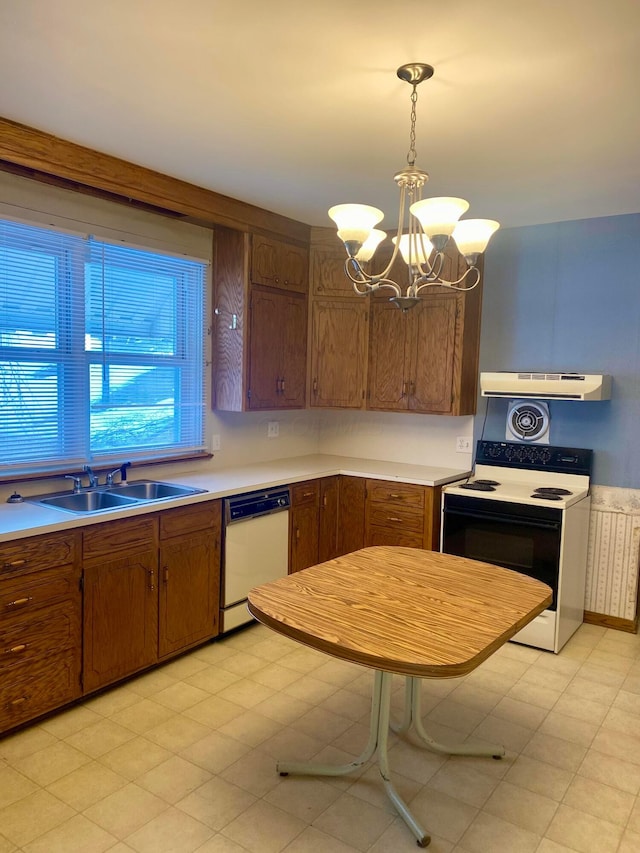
517, 536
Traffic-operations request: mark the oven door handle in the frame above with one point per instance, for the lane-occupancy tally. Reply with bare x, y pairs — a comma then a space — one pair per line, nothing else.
488, 516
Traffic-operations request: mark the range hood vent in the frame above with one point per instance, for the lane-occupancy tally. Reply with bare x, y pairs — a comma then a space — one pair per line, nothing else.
546, 386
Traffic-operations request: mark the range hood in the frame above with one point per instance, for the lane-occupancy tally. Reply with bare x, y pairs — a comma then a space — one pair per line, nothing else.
546, 386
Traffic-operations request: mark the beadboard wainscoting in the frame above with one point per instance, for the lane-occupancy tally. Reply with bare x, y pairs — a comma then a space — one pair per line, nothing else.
611, 596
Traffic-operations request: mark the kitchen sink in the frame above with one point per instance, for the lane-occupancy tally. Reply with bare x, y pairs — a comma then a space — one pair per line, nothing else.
149, 490
105, 498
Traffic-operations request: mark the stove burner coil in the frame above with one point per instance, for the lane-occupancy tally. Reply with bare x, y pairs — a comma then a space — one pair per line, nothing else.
478, 486
551, 490
546, 497
487, 482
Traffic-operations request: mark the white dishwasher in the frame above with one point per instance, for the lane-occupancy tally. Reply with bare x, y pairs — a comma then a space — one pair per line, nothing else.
256, 549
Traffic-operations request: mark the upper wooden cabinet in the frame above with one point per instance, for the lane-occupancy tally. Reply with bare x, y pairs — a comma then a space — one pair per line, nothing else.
337, 359
426, 359
259, 324
339, 329
275, 263
277, 350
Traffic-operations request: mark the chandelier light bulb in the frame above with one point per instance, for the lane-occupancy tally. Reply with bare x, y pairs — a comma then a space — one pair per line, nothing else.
370, 245
472, 236
355, 221
414, 248
439, 216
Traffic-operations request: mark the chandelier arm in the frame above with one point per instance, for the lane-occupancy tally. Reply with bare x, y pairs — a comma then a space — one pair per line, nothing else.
396, 247
453, 285
370, 282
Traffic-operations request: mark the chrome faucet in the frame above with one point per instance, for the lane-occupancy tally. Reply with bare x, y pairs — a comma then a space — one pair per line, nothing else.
77, 482
93, 480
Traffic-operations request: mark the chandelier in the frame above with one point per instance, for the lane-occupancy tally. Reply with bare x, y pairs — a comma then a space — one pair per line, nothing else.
432, 222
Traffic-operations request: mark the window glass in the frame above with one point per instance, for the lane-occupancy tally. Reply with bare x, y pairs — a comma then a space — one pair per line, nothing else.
101, 351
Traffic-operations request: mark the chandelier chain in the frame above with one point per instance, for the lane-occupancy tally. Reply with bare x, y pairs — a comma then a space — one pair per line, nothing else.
411, 155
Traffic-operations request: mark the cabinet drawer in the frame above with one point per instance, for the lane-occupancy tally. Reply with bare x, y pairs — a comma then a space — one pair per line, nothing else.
389, 536
102, 540
25, 640
33, 591
38, 552
45, 684
401, 494
187, 519
396, 518
305, 493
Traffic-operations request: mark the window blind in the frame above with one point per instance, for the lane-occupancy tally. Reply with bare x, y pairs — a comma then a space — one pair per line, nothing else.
101, 351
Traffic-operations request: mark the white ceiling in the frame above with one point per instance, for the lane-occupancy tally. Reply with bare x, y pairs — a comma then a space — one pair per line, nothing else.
533, 114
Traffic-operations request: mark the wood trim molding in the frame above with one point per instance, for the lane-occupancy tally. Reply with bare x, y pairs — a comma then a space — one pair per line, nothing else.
630, 625
29, 148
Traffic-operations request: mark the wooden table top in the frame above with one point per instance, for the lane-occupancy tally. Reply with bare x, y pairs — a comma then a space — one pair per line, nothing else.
402, 610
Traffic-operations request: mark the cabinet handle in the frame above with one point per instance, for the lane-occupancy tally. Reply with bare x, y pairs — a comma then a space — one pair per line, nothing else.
297, 534
165, 572
405, 387
282, 385
276, 279
412, 388
393, 518
315, 386
152, 578
15, 564
15, 702
14, 650
324, 501
307, 494
19, 602
395, 496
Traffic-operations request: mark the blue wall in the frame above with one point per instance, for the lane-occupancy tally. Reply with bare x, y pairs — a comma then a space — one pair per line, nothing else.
566, 297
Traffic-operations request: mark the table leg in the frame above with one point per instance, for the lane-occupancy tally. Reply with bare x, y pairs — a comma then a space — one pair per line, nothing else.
413, 717
378, 740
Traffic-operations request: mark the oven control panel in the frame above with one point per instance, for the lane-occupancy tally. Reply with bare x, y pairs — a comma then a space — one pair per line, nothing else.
535, 457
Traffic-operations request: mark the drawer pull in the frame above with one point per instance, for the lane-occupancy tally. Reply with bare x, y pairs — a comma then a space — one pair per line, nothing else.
152, 580
15, 703
393, 518
395, 496
20, 602
307, 494
14, 650
15, 564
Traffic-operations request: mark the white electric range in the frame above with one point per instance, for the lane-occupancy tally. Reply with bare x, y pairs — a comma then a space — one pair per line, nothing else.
526, 508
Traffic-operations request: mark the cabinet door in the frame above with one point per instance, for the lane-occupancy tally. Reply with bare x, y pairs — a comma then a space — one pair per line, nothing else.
275, 263
339, 333
293, 353
328, 519
265, 349
120, 618
351, 507
388, 357
303, 550
434, 354
327, 274
189, 583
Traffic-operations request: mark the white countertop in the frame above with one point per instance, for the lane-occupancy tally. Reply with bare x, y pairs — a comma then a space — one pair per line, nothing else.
28, 519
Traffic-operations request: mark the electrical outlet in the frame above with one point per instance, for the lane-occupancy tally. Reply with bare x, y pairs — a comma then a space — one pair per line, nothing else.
215, 443
463, 444
273, 429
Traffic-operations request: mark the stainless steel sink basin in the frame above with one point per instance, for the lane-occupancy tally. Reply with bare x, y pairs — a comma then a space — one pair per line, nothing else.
149, 490
104, 498
87, 501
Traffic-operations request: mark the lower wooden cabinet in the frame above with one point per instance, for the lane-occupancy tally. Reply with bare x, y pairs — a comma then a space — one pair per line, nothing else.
120, 578
151, 586
40, 640
401, 514
189, 583
303, 525
351, 513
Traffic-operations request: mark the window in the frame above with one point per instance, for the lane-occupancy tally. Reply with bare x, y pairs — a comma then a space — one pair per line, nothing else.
101, 351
